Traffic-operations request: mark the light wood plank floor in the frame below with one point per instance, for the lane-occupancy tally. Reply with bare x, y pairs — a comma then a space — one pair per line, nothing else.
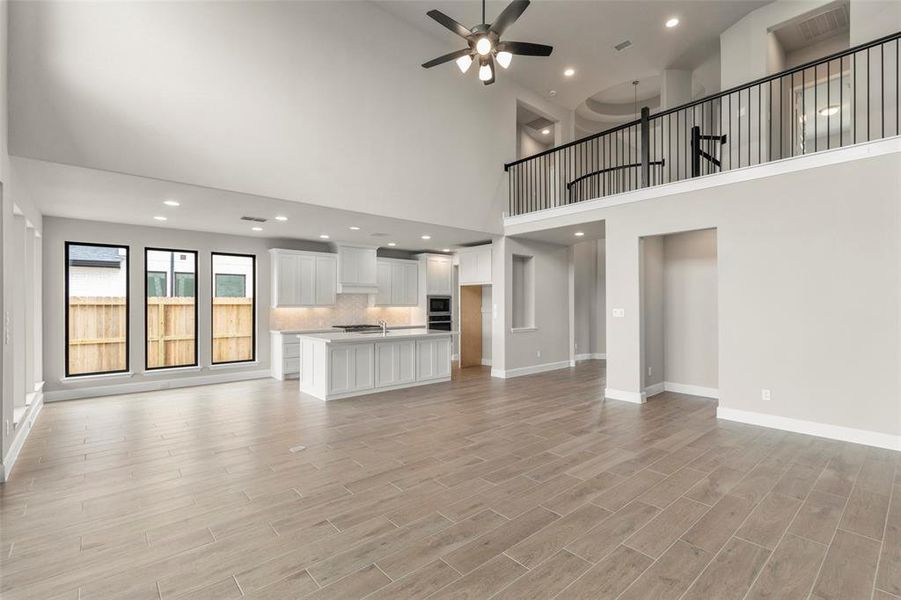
533, 487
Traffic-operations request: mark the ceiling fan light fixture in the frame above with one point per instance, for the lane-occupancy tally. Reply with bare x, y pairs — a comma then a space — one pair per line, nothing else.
504, 58
483, 46
485, 73
464, 62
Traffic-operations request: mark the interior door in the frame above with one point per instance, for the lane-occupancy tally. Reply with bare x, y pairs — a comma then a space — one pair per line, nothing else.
470, 326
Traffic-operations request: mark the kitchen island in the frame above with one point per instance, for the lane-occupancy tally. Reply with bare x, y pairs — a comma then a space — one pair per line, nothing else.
340, 365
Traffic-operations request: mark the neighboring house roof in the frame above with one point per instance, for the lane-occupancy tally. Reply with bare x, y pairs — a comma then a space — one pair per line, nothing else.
94, 256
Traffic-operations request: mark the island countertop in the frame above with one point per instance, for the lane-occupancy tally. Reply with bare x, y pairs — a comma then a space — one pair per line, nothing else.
377, 336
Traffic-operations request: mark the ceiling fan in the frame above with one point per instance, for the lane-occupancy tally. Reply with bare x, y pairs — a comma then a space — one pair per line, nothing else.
484, 43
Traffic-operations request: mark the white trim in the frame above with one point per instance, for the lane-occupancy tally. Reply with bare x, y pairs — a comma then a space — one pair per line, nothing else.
691, 390
633, 397
520, 371
21, 433
486, 362
122, 375
591, 356
164, 370
825, 430
523, 329
519, 223
232, 365
154, 385
654, 389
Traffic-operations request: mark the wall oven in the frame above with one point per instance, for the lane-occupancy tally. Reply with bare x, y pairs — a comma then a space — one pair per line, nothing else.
439, 305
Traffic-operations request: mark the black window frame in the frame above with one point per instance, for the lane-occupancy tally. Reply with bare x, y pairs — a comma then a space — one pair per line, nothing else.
66, 247
196, 308
253, 309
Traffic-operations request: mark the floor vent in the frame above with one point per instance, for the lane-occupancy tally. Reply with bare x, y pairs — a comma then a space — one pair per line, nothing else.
622, 45
254, 219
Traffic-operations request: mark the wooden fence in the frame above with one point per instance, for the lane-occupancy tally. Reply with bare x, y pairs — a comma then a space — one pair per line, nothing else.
97, 330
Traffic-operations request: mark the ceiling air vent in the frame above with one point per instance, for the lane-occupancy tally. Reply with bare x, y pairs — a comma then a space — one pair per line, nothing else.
254, 219
824, 24
622, 45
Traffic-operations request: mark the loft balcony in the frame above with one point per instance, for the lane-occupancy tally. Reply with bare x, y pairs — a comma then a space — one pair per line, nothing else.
847, 98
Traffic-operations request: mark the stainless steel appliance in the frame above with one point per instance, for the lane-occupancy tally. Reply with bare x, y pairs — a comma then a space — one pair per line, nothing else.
439, 313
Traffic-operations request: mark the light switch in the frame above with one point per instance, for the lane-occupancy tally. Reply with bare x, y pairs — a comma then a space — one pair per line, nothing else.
619, 312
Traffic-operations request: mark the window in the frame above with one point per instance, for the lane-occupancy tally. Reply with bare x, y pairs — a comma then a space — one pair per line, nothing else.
156, 283
234, 309
185, 285
170, 313
96, 309
230, 285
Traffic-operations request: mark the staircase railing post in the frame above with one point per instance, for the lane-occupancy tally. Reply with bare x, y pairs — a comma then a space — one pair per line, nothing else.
645, 146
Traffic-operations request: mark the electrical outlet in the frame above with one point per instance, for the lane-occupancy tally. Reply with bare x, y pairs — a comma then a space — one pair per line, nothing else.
538, 353
619, 313
650, 371
765, 395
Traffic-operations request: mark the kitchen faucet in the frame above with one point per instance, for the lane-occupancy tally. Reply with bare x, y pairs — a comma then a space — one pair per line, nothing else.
384, 324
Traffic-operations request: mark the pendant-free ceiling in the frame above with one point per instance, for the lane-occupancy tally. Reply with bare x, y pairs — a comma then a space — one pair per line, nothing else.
485, 44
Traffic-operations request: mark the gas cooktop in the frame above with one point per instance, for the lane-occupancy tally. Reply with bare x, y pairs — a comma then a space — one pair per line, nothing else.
360, 327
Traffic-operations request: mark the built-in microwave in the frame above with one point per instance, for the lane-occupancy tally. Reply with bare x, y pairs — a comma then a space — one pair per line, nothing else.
439, 305
440, 322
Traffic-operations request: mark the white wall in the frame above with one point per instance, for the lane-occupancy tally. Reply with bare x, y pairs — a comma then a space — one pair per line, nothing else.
588, 298
690, 324
872, 19
320, 102
550, 335
486, 323
808, 287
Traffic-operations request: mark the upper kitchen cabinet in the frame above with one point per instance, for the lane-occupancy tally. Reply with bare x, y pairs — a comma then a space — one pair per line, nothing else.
439, 274
475, 265
302, 278
357, 273
398, 282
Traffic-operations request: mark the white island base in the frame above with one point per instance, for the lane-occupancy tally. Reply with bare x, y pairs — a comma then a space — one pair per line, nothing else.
341, 365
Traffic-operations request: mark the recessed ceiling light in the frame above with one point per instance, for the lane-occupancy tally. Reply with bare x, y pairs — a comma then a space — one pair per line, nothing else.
324, 236
829, 110
579, 233
281, 218
569, 72
354, 228
392, 244
159, 218
545, 131
172, 203
256, 229
426, 237
672, 23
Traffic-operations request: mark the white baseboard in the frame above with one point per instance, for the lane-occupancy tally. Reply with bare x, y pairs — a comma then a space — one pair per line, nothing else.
691, 390
591, 356
508, 373
153, 385
834, 432
486, 362
653, 390
22, 431
633, 397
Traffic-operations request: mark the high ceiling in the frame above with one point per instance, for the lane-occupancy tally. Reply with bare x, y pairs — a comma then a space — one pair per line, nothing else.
583, 34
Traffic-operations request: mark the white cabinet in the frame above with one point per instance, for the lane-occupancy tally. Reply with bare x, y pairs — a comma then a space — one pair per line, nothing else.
398, 282
475, 265
433, 358
395, 363
302, 278
350, 368
438, 274
285, 355
356, 270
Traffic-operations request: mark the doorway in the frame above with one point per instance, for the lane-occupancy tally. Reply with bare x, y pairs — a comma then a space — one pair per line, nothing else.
475, 333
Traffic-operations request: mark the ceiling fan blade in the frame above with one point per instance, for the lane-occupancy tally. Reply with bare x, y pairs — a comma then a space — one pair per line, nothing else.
509, 15
446, 58
525, 48
449, 23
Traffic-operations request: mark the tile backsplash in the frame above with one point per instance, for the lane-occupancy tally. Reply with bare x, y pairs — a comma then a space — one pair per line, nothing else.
348, 309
